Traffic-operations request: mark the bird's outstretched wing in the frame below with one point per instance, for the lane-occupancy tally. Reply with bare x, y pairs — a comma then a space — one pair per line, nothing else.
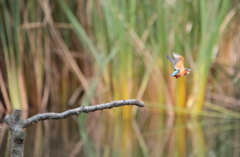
171, 59
177, 61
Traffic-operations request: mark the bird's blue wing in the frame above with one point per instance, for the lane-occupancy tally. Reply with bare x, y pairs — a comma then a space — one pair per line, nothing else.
176, 72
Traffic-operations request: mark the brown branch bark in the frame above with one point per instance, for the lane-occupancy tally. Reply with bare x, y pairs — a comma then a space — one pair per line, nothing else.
17, 124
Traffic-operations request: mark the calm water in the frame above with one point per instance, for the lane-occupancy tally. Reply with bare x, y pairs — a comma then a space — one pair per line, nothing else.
149, 135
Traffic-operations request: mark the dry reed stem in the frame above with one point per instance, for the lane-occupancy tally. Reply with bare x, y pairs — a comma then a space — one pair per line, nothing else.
65, 53
5, 94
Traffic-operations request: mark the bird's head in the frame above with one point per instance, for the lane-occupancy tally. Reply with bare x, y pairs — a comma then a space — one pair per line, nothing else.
188, 70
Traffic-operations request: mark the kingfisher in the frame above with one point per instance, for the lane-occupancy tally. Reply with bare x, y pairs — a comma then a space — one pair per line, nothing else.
179, 69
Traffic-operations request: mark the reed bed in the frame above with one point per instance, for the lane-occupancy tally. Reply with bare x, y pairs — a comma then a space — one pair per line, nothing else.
67, 52
62, 54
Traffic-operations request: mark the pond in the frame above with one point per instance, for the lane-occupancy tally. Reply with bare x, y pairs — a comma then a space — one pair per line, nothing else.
147, 135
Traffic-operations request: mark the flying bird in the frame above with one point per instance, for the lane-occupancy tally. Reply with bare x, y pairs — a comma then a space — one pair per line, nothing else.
178, 61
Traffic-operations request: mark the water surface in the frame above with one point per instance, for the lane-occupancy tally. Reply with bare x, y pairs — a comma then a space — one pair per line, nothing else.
155, 135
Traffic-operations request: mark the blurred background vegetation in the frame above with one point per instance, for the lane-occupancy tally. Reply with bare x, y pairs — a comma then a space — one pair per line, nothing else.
57, 55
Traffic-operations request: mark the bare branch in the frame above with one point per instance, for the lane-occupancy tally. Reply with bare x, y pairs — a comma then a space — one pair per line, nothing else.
16, 123
85, 109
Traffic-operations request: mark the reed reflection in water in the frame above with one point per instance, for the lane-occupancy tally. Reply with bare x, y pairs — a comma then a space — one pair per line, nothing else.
148, 135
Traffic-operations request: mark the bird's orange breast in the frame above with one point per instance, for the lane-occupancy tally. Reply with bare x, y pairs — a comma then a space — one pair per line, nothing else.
180, 65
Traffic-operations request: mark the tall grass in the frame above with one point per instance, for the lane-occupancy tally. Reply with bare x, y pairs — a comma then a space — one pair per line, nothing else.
123, 44
210, 22
63, 54
9, 28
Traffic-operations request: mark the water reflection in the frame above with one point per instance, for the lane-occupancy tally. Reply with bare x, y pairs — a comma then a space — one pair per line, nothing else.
102, 135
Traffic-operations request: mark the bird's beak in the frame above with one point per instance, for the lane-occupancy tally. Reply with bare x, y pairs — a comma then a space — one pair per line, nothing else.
188, 69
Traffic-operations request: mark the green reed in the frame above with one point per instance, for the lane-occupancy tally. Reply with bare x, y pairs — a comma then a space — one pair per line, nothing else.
9, 38
210, 22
